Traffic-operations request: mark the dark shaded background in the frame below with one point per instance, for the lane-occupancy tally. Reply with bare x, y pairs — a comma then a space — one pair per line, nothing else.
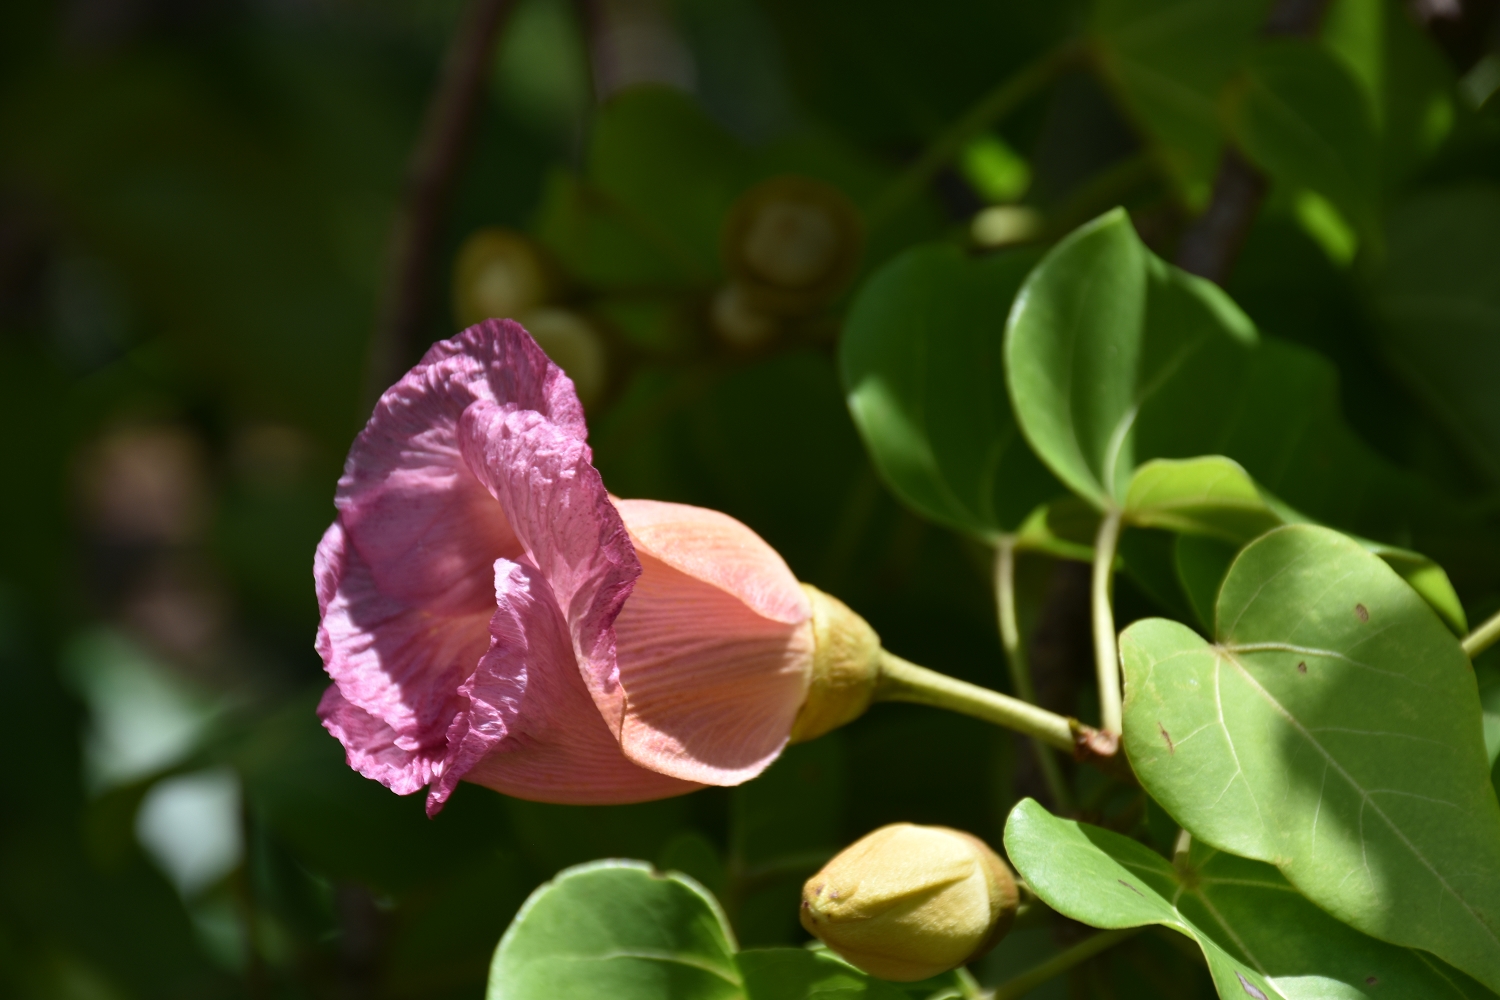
196, 201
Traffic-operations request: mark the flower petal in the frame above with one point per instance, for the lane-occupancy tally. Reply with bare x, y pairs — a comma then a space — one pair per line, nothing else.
370, 745
714, 647
550, 743
563, 517
405, 574
397, 664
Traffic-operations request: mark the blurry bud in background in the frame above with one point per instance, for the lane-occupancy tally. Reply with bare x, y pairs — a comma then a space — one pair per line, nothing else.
1004, 225
908, 902
574, 345
738, 323
790, 245
500, 274
144, 485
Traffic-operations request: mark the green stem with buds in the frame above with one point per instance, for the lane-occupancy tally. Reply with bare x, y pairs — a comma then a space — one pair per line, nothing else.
903, 681
1062, 962
1106, 652
1483, 637
1020, 670
1009, 95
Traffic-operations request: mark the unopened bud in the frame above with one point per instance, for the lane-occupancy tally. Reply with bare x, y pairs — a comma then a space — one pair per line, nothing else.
845, 667
791, 243
908, 902
575, 346
499, 274
737, 322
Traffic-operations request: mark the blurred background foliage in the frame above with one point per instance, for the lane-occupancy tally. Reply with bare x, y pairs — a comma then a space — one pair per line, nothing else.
196, 201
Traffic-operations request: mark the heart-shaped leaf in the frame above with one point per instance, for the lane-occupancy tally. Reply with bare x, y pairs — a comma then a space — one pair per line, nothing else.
621, 930
1255, 930
921, 361
1104, 328
1335, 731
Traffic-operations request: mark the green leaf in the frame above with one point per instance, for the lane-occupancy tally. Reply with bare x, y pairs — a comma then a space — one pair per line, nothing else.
1439, 302
1248, 920
1101, 327
1215, 497
1302, 116
1211, 496
1201, 564
801, 974
921, 363
621, 930
1168, 60
1106, 880
1334, 730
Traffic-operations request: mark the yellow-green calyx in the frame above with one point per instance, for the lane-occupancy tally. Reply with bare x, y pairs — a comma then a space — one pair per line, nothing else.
908, 902
845, 667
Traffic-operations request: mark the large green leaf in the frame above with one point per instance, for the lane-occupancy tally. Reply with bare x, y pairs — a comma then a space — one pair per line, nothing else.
921, 363
1110, 881
1252, 925
621, 930
1168, 60
1303, 117
1100, 330
1439, 300
1335, 731
1115, 358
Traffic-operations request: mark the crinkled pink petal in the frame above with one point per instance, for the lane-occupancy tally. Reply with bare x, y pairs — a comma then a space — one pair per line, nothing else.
564, 519
542, 739
713, 647
370, 745
405, 575
397, 665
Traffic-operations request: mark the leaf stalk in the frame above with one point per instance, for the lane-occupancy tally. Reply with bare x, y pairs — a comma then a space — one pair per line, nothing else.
1106, 650
1483, 637
1020, 668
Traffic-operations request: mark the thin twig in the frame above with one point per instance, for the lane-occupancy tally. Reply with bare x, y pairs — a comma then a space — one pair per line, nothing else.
446, 129
1062, 962
1483, 637
1212, 243
1009, 95
1106, 647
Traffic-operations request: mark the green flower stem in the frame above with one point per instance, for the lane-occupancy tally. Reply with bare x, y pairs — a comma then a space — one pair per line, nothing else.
1062, 962
1020, 669
1106, 652
1009, 95
903, 681
1483, 637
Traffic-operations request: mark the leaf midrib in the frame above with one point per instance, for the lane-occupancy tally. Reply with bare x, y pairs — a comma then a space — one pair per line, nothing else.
1349, 778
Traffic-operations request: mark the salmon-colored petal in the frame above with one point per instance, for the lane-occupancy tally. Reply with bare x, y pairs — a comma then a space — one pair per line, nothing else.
556, 502
717, 549
713, 648
550, 744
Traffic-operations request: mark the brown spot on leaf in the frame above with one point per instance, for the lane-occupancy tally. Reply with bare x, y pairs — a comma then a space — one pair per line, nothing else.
1372, 980
1131, 888
1250, 987
1302, 667
1166, 736
1362, 612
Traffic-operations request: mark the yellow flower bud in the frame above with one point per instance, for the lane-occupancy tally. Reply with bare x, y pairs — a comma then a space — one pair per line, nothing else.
907, 902
791, 243
499, 274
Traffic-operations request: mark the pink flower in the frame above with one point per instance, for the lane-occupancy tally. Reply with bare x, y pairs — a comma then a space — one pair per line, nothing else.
490, 613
